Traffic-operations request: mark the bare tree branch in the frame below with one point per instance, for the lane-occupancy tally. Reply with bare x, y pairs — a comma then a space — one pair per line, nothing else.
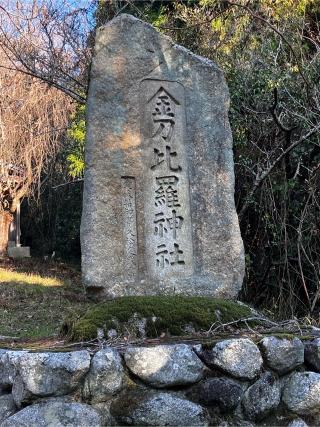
260, 177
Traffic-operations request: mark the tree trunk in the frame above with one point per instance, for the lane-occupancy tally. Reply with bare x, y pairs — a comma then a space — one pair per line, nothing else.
5, 221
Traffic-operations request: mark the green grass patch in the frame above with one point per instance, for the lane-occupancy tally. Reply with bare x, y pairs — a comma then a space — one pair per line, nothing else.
168, 314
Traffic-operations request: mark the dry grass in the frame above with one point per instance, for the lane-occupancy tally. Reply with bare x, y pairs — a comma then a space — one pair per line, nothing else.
35, 297
28, 279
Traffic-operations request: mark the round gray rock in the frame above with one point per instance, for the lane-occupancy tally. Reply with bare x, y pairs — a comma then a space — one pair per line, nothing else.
222, 392
240, 358
282, 355
159, 409
165, 365
301, 393
7, 406
55, 414
8, 366
105, 376
48, 374
312, 354
262, 397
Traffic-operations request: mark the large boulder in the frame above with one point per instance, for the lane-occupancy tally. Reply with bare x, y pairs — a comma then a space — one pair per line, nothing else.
240, 358
55, 414
158, 409
262, 397
48, 374
222, 392
7, 406
282, 355
105, 376
301, 393
165, 365
158, 143
312, 354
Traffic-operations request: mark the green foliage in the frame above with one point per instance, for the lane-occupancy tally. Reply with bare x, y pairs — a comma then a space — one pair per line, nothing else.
76, 140
262, 46
171, 314
158, 17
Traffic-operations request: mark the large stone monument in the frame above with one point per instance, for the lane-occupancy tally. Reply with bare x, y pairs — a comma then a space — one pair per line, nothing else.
158, 209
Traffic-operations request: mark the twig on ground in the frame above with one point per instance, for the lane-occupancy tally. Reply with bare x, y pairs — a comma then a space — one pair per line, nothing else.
244, 320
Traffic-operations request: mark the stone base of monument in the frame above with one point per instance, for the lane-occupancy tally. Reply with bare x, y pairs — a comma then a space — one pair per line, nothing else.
17, 252
234, 382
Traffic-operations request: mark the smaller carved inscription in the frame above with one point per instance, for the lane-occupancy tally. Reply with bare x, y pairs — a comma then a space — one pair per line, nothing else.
129, 227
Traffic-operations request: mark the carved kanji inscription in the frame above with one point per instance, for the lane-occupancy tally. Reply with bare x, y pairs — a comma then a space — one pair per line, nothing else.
166, 190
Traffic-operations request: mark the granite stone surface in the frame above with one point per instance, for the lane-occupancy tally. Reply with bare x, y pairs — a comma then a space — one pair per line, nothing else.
239, 357
282, 355
158, 209
262, 397
105, 377
301, 393
55, 413
165, 365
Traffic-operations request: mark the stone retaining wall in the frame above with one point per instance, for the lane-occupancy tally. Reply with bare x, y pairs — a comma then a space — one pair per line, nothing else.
237, 382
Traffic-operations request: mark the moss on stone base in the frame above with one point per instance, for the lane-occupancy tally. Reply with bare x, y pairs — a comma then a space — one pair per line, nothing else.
169, 314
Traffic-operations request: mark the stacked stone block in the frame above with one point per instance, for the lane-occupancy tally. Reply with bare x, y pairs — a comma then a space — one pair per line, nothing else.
236, 381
